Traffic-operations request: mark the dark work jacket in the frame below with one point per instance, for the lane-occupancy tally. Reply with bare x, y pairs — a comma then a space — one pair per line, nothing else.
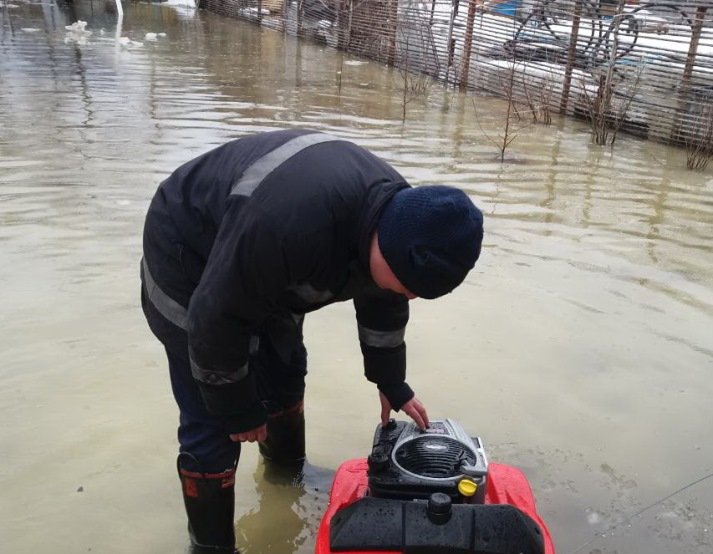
236, 261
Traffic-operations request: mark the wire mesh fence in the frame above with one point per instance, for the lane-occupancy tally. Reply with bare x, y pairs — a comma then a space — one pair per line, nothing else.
641, 66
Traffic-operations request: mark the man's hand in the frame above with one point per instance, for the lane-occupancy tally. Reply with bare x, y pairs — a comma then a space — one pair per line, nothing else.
257, 434
413, 408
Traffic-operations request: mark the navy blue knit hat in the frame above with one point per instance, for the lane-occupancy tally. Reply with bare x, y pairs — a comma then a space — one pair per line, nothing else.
430, 236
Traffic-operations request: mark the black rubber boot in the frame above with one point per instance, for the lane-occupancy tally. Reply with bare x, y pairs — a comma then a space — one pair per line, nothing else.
285, 443
210, 506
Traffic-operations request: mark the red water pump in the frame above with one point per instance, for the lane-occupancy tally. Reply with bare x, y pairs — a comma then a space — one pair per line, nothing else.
430, 492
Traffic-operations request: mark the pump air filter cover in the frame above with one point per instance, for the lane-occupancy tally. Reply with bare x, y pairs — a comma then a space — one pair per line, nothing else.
409, 463
434, 457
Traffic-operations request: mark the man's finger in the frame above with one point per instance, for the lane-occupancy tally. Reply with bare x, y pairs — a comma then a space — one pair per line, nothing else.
257, 434
385, 413
385, 409
410, 412
415, 415
424, 415
419, 409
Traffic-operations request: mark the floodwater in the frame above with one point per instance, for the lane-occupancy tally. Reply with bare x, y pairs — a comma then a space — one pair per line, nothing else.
580, 349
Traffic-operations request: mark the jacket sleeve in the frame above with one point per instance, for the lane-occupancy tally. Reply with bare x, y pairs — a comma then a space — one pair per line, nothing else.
245, 273
381, 319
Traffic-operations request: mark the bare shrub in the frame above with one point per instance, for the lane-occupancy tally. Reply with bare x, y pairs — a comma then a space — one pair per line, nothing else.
415, 83
538, 97
616, 87
699, 145
513, 121
607, 107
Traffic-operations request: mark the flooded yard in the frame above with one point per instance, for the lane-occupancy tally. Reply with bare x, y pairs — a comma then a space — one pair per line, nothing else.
580, 349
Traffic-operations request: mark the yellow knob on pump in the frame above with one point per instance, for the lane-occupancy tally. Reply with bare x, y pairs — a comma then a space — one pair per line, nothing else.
467, 487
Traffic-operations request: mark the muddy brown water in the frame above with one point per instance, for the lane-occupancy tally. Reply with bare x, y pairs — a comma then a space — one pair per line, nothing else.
580, 349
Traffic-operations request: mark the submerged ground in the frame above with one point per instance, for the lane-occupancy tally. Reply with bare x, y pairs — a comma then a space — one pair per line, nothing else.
580, 349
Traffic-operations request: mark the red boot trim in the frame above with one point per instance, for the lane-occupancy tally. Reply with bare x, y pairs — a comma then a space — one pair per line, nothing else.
189, 478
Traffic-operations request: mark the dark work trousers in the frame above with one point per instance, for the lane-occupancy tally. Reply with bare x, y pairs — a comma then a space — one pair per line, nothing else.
280, 380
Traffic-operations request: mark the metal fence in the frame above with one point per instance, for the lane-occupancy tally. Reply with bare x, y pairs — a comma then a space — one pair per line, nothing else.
644, 67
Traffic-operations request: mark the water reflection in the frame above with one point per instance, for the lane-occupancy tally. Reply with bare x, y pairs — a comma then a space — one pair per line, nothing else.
580, 348
294, 499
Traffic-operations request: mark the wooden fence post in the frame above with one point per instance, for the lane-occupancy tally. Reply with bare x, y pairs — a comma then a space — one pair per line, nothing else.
392, 16
571, 56
467, 45
696, 32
